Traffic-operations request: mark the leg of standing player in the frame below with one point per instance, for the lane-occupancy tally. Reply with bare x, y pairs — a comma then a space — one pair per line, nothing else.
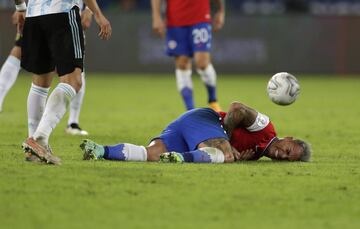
73, 126
68, 70
208, 75
10, 70
202, 37
183, 80
177, 42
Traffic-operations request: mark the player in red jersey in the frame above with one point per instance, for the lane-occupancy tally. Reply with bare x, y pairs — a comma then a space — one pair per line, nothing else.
188, 31
205, 136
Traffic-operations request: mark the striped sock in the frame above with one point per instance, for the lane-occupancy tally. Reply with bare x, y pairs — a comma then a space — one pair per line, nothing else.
35, 106
54, 111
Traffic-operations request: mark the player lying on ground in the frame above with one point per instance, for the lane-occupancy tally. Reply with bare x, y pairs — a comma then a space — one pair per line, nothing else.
205, 136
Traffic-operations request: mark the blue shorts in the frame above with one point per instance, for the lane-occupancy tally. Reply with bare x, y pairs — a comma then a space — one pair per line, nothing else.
186, 40
192, 128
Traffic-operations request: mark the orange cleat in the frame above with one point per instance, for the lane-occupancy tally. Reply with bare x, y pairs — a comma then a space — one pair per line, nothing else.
215, 106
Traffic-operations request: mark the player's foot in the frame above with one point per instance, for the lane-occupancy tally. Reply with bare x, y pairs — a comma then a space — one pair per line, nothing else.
41, 152
74, 129
92, 150
215, 106
171, 157
31, 158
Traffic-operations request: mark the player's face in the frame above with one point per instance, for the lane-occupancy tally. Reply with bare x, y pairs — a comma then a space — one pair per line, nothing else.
285, 149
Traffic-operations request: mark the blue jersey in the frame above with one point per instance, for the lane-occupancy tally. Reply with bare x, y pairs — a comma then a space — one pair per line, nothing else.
190, 129
185, 40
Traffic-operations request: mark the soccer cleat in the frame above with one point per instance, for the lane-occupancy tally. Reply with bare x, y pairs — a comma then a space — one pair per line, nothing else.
74, 129
171, 157
35, 149
31, 158
92, 150
215, 106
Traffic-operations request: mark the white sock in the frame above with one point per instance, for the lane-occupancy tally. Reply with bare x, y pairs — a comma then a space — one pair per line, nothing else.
134, 153
125, 152
183, 79
8, 75
216, 155
54, 111
35, 106
208, 76
76, 103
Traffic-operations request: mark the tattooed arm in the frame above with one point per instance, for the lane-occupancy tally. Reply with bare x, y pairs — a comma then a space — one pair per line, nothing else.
230, 153
221, 144
238, 115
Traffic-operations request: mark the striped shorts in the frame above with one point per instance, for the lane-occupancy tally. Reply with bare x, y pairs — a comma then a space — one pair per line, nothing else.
53, 42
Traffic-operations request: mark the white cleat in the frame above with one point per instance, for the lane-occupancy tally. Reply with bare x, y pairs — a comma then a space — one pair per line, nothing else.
74, 129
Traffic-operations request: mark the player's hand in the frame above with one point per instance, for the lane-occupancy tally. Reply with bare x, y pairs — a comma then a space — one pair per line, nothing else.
244, 155
158, 27
104, 26
86, 18
218, 21
18, 19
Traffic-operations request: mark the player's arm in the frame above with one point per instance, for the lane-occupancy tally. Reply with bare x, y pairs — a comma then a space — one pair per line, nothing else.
221, 144
219, 16
239, 115
158, 24
86, 18
230, 153
104, 24
18, 17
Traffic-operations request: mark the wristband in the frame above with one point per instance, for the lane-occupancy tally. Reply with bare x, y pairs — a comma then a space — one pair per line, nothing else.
21, 7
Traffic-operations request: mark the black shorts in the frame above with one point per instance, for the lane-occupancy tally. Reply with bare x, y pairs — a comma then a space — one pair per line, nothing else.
53, 42
18, 40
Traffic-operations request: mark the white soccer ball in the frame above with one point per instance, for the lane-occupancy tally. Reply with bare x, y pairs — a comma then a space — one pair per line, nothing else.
283, 88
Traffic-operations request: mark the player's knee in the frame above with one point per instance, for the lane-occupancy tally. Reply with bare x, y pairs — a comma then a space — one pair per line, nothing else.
202, 64
43, 80
77, 85
74, 83
183, 63
73, 79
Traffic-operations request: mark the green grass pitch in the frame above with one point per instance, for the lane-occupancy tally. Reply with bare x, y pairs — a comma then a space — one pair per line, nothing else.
133, 108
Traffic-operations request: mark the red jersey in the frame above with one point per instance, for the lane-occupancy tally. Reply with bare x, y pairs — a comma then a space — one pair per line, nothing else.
242, 139
187, 12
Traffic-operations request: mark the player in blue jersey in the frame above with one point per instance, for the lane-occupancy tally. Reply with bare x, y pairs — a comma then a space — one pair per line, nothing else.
205, 136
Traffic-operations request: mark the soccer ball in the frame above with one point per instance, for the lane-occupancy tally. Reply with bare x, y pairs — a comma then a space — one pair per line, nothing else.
283, 88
